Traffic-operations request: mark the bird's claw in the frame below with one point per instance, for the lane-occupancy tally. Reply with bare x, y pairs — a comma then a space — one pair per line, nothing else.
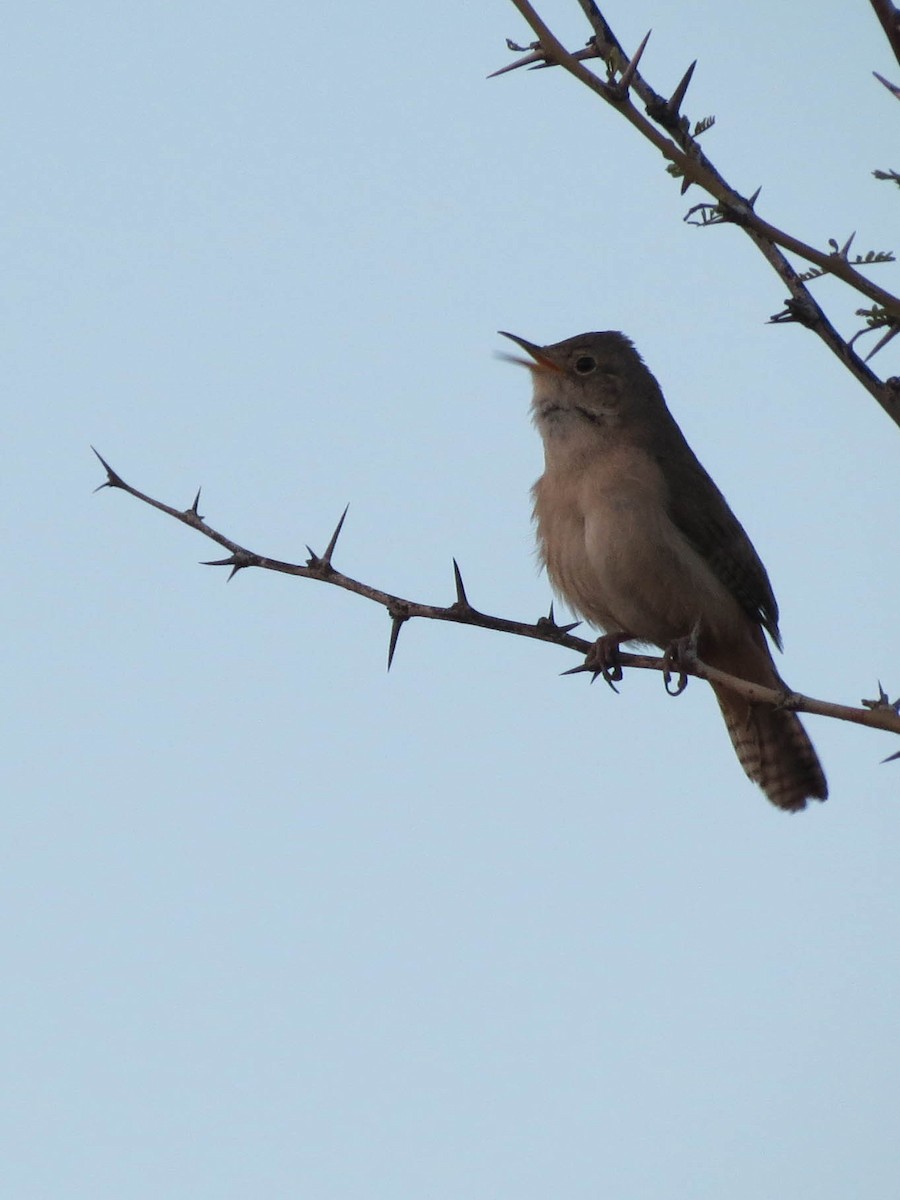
603, 659
678, 657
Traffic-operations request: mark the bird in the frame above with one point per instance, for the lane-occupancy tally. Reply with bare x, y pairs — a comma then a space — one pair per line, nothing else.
638, 540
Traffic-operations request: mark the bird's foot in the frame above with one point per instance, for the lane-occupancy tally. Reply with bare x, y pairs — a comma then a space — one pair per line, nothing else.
603, 659
678, 658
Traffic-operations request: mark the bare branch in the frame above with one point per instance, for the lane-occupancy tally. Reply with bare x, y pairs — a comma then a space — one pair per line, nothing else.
889, 16
876, 714
680, 148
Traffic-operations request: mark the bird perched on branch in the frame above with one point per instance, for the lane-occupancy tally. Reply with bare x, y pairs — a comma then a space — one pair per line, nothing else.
640, 542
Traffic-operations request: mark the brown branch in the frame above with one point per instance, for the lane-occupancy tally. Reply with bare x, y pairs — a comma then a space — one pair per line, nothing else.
876, 714
889, 16
683, 151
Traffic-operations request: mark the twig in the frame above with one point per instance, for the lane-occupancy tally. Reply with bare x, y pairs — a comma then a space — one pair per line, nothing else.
889, 16
683, 151
876, 714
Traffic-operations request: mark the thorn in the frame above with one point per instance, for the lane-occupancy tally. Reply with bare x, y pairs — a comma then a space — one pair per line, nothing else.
685, 184
842, 253
673, 104
890, 758
795, 310
883, 342
537, 56
329, 550
883, 701
237, 562
113, 479
550, 620
323, 561
589, 51
397, 620
538, 59
623, 84
894, 90
751, 203
550, 623
195, 506
461, 598
607, 675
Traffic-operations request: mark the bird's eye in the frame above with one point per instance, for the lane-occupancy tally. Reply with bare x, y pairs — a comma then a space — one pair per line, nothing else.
585, 364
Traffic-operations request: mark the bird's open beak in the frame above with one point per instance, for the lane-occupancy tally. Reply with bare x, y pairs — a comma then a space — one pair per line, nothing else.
540, 361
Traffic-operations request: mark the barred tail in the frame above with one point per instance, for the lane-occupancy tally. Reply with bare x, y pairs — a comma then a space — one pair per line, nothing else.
774, 749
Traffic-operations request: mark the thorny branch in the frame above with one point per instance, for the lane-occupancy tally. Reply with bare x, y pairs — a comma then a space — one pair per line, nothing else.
880, 713
669, 131
889, 16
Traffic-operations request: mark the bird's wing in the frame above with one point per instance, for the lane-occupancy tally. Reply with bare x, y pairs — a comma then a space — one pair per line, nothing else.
701, 513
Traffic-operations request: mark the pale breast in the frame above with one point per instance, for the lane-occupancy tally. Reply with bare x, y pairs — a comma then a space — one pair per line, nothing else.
614, 555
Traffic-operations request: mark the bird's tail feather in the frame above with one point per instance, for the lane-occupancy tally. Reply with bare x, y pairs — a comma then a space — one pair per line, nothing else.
774, 749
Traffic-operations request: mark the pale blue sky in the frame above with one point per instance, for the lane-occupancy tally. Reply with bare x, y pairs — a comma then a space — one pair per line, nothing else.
278, 923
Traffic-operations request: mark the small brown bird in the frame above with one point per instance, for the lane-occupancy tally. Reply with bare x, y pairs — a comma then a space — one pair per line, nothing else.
640, 542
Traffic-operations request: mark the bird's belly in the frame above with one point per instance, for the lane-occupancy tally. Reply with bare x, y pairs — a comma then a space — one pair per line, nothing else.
625, 567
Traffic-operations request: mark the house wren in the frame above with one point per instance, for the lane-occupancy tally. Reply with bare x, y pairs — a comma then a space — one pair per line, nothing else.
640, 542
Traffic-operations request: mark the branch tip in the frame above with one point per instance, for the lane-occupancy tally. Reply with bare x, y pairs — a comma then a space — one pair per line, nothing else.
113, 479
